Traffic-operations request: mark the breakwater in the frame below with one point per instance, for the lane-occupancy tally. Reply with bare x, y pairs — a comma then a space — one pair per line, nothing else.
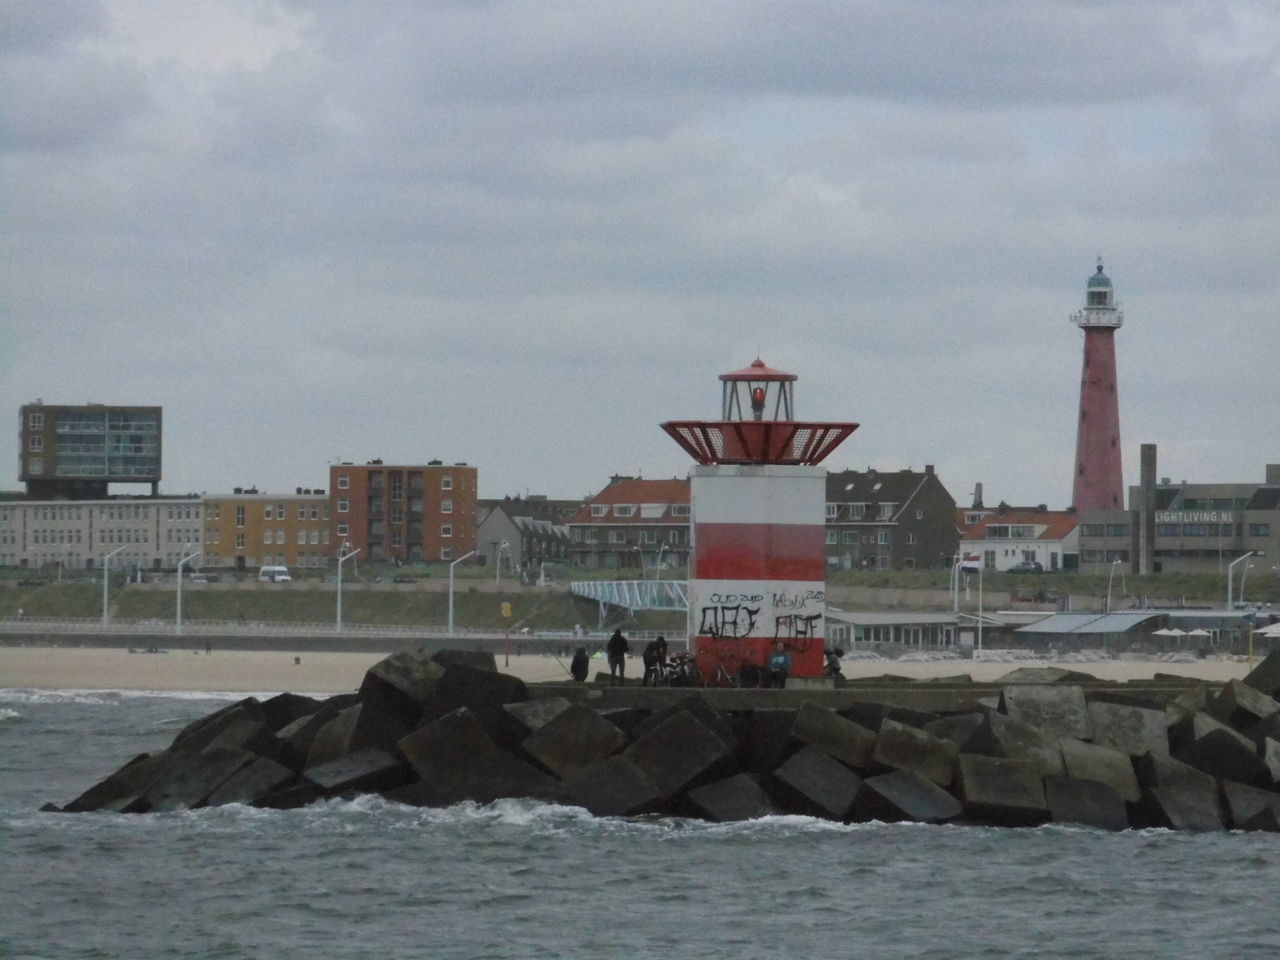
1043, 745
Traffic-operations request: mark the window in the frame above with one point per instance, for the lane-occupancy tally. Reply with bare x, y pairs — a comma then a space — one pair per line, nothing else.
911, 539
396, 539
266, 536
832, 510
397, 514
1259, 529
343, 504
624, 510
446, 483
850, 536
324, 535
239, 541
315, 513
599, 509
35, 421
446, 506
315, 537
279, 535
833, 536
886, 511
35, 464
239, 516
344, 482
302, 511
680, 510
882, 537
324, 511
1117, 529
446, 530
859, 510
397, 487
35, 443
1022, 532
302, 538
446, 553
342, 529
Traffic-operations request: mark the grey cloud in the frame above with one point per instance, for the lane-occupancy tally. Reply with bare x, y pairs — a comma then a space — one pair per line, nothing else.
36, 25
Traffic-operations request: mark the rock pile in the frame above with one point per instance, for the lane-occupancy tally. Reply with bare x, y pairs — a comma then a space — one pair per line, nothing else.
437, 730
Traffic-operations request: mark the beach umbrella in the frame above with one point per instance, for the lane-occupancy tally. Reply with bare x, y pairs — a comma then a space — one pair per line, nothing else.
1271, 631
1169, 632
1198, 633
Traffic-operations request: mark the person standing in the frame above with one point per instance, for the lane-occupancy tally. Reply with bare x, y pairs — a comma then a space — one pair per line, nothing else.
779, 666
579, 665
617, 648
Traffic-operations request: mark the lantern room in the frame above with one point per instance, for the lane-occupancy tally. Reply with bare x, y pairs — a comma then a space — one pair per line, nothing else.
757, 392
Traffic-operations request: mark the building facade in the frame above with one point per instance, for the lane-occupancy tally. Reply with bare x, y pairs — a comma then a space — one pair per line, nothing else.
1198, 527
524, 530
634, 525
149, 534
246, 529
900, 520
73, 452
1010, 536
423, 513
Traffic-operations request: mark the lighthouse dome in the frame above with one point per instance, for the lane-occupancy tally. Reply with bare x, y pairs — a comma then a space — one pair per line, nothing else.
1099, 279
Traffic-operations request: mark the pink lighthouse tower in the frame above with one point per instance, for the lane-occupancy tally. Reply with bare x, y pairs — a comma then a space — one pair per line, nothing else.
757, 575
1098, 481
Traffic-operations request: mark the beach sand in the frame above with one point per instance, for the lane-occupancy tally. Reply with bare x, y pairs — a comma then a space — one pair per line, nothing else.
273, 671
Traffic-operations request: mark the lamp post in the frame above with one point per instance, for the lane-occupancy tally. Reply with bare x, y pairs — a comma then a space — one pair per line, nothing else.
343, 558
177, 620
451, 566
497, 561
1111, 576
1244, 573
106, 579
1231, 569
658, 563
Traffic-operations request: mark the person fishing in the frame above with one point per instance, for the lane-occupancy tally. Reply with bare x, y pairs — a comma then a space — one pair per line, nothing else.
617, 650
579, 665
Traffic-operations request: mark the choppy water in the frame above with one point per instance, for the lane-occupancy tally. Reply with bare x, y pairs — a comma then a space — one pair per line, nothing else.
520, 879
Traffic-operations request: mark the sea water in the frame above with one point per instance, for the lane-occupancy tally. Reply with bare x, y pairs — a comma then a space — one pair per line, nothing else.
522, 879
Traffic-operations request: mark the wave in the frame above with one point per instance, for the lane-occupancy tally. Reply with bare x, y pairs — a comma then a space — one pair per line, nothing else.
110, 697
7, 714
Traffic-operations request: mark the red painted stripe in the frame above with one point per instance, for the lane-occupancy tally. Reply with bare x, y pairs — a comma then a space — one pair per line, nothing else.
759, 551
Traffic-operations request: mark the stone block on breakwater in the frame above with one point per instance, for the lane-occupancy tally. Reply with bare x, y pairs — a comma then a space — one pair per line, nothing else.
1089, 802
814, 783
1239, 705
615, 787
573, 739
1000, 791
353, 729
901, 747
1175, 795
764, 738
1226, 755
1129, 729
1089, 761
681, 752
187, 780
532, 715
734, 798
850, 743
1056, 711
1244, 803
401, 685
1265, 677
957, 728
904, 795
252, 783
367, 770
1002, 736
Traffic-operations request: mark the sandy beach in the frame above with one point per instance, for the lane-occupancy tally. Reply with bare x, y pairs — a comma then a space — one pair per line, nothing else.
272, 671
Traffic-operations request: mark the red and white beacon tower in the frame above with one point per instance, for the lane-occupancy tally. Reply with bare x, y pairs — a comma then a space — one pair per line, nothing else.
758, 569
1098, 481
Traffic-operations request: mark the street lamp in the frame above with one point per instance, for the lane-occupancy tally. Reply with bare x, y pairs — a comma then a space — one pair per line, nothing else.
451, 566
343, 558
1244, 573
106, 579
497, 562
658, 563
1111, 576
1231, 569
177, 620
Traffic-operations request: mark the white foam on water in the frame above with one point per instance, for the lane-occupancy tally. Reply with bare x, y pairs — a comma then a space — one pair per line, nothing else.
114, 697
7, 714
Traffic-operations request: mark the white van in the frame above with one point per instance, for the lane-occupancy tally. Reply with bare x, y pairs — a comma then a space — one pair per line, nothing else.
274, 575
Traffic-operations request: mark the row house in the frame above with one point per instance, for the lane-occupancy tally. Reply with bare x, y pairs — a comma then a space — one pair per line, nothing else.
420, 513
899, 520
519, 531
633, 524
247, 529
1008, 536
144, 533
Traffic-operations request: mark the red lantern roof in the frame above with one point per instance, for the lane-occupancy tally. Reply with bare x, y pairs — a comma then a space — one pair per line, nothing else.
758, 371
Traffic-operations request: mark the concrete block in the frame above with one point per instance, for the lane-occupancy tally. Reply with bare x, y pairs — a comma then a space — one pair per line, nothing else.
188, 780
531, 715
957, 728
1004, 737
869, 716
1001, 792
212, 723
1175, 795
1240, 706
367, 770
900, 747
1186, 704
457, 760
353, 729
813, 783
1055, 710
1264, 729
615, 787
696, 706
573, 739
1267, 820
1131, 730
1088, 761
401, 685
284, 708
291, 798
626, 719
680, 753
764, 738
904, 795
849, 742
1225, 755
120, 788
464, 685
733, 798
1244, 802
1265, 677
480, 659
253, 782
1270, 752
912, 718
252, 735
1191, 728
1044, 675
1090, 802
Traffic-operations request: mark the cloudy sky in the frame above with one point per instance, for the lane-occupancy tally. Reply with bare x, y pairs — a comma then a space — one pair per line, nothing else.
522, 234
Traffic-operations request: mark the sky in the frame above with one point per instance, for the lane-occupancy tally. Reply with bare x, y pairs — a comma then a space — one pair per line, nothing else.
523, 234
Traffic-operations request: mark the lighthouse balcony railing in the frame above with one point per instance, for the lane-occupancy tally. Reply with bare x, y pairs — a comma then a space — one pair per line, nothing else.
1098, 317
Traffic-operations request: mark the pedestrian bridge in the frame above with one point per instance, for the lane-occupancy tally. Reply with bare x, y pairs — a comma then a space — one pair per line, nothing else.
633, 595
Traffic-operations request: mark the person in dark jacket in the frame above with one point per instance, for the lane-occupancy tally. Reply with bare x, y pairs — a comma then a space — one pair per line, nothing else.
579, 664
617, 650
655, 654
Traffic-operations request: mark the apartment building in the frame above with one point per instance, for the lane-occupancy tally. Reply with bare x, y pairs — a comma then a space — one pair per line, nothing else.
632, 524
144, 533
403, 513
247, 529
73, 452
897, 520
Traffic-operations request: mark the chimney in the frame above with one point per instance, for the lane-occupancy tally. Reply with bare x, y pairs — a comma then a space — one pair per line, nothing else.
977, 496
1144, 512
1273, 474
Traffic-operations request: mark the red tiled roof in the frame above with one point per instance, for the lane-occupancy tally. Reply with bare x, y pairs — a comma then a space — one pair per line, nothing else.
1057, 523
637, 492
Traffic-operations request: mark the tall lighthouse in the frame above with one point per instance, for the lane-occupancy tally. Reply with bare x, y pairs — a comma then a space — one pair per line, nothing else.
1098, 481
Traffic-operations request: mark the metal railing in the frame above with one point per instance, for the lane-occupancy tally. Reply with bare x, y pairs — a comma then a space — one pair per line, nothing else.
634, 595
